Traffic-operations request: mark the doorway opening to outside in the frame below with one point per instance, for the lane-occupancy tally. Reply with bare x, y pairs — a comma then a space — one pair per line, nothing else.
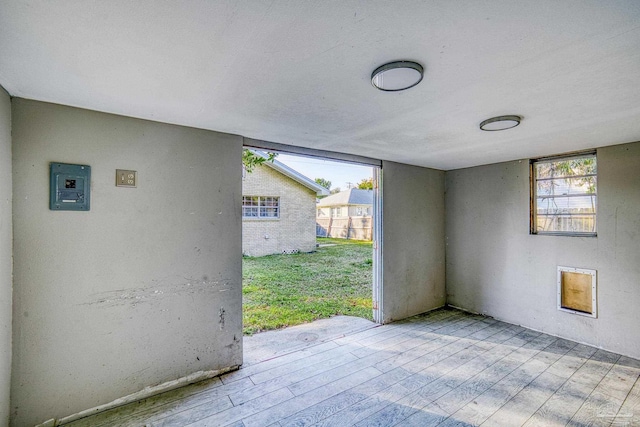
311, 239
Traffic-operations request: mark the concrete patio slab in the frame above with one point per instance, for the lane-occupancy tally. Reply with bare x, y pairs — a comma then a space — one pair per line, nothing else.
267, 345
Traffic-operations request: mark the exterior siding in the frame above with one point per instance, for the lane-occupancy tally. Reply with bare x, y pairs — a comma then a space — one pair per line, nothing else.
349, 210
323, 212
365, 210
294, 230
354, 225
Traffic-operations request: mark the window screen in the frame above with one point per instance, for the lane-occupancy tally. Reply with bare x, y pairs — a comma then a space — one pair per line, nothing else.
564, 195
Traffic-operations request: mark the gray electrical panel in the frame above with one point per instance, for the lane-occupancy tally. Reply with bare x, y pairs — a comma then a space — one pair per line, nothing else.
69, 187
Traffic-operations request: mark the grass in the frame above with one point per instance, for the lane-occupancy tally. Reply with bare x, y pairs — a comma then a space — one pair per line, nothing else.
287, 290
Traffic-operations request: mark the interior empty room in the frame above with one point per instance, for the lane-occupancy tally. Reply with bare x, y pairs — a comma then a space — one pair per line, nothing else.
505, 136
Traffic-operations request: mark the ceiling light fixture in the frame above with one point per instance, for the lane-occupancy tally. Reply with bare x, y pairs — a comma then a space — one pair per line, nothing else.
500, 123
397, 75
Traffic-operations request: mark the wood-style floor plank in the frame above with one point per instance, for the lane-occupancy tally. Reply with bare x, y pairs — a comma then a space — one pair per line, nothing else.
310, 398
629, 413
563, 405
163, 405
326, 408
278, 361
444, 368
602, 406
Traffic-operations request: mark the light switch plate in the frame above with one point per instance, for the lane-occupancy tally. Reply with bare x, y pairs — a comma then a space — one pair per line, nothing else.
126, 178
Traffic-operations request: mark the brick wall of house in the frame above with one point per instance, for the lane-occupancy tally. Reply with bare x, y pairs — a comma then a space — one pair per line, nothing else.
295, 230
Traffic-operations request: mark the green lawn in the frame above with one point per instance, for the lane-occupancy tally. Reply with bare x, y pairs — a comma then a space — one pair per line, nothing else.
287, 290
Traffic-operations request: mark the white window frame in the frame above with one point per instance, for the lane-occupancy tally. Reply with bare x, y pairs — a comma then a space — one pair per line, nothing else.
534, 197
261, 207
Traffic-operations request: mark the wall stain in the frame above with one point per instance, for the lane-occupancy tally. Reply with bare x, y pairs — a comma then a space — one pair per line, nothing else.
222, 318
157, 292
235, 344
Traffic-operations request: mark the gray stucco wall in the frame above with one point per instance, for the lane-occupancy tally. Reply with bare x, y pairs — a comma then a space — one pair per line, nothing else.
5, 255
495, 267
413, 240
294, 230
143, 289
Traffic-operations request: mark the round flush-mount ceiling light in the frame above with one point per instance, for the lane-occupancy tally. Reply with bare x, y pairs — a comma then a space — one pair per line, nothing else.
500, 123
397, 75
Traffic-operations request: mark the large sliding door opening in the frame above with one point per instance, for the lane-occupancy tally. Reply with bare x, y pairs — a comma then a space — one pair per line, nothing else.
311, 231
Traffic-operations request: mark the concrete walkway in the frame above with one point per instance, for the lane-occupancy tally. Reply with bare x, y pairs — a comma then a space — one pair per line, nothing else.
267, 345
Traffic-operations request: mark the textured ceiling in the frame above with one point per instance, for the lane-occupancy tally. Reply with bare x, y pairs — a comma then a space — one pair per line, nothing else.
298, 72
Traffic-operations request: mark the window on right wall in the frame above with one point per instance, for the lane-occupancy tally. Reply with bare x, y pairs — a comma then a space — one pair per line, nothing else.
564, 195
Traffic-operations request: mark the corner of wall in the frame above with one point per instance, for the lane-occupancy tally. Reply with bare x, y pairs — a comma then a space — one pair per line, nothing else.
152, 270
414, 245
6, 256
495, 267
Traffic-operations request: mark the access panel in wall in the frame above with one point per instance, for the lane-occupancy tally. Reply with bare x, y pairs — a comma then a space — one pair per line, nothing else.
577, 291
69, 187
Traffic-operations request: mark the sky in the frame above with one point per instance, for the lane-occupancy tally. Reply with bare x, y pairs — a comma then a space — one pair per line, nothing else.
339, 173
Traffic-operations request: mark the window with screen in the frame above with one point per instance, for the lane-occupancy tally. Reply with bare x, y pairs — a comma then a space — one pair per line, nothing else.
260, 207
564, 195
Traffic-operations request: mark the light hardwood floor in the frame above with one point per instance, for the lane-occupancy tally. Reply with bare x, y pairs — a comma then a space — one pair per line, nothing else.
445, 368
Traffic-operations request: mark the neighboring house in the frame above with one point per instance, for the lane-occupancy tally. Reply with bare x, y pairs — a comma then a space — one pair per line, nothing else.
346, 215
278, 210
